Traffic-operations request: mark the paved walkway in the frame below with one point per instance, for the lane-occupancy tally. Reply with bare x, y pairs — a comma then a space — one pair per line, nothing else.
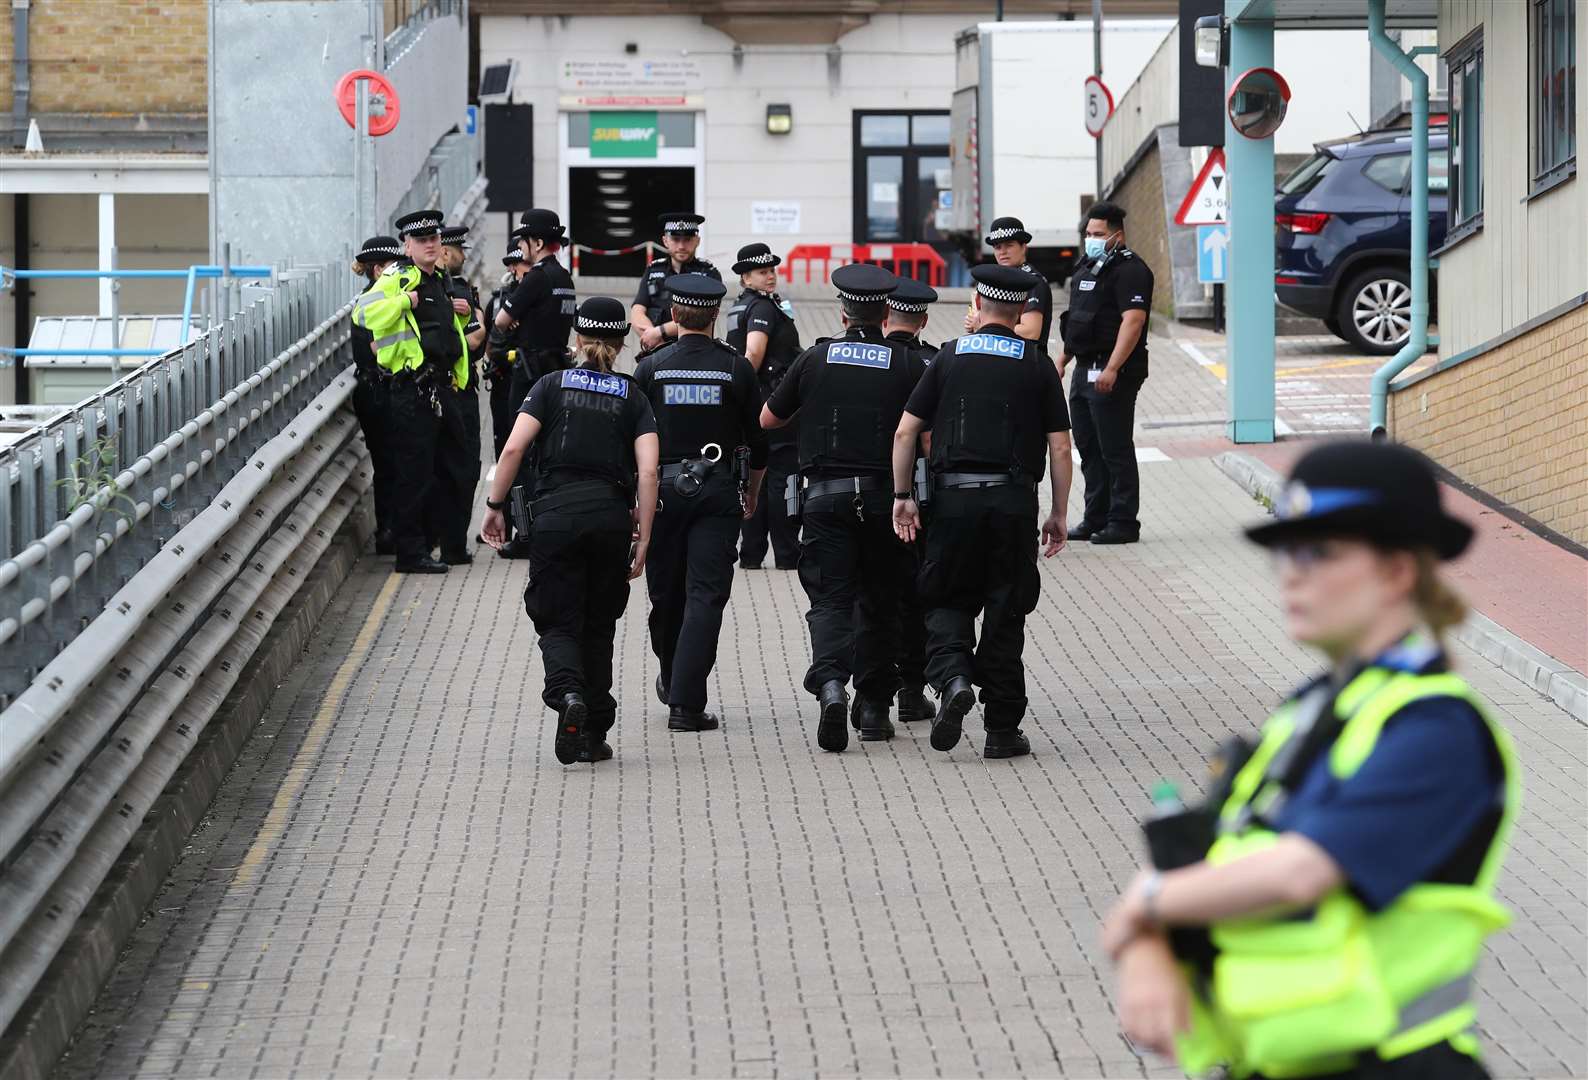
399, 880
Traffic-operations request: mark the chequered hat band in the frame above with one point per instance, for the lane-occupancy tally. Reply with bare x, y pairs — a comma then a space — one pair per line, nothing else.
1003, 234
767, 258
862, 298
906, 305
697, 301
382, 250
1007, 296
582, 323
681, 226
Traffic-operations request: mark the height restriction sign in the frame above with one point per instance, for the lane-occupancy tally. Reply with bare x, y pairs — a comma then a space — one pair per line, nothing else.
1208, 201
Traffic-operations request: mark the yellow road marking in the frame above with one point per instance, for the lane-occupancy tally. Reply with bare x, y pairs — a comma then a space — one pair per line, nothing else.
330, 704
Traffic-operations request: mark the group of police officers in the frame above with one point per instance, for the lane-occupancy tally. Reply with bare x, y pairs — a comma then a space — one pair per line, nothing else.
898, 477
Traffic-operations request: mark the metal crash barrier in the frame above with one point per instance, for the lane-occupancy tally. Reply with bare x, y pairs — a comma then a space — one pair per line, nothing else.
152, 536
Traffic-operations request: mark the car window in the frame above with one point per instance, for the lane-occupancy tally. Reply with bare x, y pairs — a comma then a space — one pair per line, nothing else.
1439, 171
1307, 174
1392, 172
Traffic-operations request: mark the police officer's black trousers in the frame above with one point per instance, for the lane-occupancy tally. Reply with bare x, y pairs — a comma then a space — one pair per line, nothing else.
415, 434
504, 410
981, 559
771, 522
853, 568
578, 588
372, 406
1103, 427
689, 573
457, 469
911, 652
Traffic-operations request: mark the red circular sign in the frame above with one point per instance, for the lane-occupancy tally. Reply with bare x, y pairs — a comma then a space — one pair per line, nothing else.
1099, 106
383, 105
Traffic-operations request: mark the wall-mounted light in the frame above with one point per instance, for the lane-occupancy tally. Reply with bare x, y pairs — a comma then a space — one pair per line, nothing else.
1212, 38
779, 119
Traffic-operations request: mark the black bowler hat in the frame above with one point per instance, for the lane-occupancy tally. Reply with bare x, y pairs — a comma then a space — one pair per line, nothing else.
680, 221
1005, 284
514, 255
755, 257
380, 249
863, 282
541, 224
419, 223
455, 235
602, 317
1007, 228
1380, 492
912, 296
696, 290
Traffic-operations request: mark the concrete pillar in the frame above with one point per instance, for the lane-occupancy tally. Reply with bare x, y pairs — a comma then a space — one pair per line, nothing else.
107, 250
1250, 163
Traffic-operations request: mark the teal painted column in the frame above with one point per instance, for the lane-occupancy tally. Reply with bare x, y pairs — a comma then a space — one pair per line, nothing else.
1250, 378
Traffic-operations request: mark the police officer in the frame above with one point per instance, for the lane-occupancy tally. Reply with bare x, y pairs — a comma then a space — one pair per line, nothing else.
541, 308
596, 479
1105, 332
761, 329
371, 393
1322, 913
852, 390
501, 351
462, 404
994, 403
713, 456
1009, 240
650, 312
908, 308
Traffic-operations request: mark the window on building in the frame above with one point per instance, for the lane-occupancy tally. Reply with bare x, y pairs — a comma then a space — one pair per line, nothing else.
1554, 48
1466, 131
902, 171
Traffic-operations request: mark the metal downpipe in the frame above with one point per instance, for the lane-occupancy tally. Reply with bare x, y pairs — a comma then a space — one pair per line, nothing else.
1417, 344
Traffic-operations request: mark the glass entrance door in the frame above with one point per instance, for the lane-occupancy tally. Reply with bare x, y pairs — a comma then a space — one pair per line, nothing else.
901, 167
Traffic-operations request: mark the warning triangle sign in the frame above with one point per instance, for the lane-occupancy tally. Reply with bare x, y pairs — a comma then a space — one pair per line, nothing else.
1208, 201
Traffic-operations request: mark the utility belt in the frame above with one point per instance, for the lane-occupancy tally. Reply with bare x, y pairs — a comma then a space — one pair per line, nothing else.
498, 365
688, 476
430, 381
955, 481
582, 492
797, 495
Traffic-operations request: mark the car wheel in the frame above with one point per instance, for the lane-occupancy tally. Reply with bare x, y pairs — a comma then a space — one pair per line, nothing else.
1332, 325
1375, 310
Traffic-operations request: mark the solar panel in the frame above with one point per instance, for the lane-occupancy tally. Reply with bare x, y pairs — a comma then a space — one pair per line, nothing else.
496, 81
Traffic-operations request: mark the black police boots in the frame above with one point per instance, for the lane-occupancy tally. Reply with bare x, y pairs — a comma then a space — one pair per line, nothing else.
1081, 532
1006, 744
570, 728
424, 564
915, 705
457, 558
682, 719
517, 548
661, 688
1115, 534
871, 720
832, 734
385, 543
596, 749
958, 698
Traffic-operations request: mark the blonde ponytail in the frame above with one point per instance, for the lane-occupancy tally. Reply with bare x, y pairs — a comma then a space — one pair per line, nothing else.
1440, 606
601, 352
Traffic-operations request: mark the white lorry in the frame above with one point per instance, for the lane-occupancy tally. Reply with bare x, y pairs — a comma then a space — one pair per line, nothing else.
1019, 145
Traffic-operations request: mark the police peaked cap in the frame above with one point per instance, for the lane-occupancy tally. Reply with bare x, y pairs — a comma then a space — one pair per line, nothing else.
755, 257
680, 221
454, 235
1007, 228
1378, 492
540, 224
419, 223
696, 290
378, 248
912, 296
602, 317
513, 254
863, 282
1005, 284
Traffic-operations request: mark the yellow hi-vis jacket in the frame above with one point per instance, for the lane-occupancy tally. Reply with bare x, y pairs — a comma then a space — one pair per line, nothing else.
383, 310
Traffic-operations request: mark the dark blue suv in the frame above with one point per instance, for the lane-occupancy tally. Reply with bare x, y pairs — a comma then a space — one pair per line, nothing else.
1344, 223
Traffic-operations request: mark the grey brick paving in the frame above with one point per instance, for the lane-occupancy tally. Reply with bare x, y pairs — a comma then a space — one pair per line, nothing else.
440, 898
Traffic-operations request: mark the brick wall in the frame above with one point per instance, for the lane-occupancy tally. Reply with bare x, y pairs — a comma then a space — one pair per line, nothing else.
1141, 195
1513, 422
93, 56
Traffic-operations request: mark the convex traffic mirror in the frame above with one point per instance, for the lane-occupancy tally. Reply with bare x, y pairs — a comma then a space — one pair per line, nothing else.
1257, 102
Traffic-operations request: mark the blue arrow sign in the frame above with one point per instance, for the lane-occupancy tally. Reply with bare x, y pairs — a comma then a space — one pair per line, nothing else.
1213, 245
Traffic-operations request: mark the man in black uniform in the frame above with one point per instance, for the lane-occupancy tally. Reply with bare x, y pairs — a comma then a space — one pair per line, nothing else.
372, 392
994, 403
542, 310
597, 467
501, 351
1105, 332
761, 329
908, 308
706, 401
650, 312
462, 405
851, 391
426, 450
1009, 241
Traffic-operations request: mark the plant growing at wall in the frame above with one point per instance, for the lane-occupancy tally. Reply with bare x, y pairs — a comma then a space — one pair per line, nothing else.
93, 473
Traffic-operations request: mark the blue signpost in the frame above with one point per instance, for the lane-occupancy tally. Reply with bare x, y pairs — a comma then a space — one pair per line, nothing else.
1213, 246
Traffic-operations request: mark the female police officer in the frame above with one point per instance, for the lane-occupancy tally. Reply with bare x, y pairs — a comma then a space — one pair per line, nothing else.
1350, 879
371, 393
596, 437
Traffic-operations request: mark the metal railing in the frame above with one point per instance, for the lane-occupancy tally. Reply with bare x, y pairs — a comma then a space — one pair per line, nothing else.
87, 498
412, 16
449, 173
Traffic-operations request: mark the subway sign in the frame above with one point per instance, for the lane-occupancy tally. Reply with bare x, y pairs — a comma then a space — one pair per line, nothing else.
623, 135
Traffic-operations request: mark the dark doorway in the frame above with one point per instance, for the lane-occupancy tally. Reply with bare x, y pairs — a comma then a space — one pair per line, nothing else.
616, 206
899, 159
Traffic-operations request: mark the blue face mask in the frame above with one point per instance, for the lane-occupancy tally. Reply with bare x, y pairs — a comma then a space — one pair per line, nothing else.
1096, 246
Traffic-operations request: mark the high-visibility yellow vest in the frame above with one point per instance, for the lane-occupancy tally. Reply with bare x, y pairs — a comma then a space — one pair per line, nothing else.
1296, 997
383, 310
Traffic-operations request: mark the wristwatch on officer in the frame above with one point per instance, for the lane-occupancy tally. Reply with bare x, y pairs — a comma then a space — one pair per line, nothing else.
906, 495
489, 505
